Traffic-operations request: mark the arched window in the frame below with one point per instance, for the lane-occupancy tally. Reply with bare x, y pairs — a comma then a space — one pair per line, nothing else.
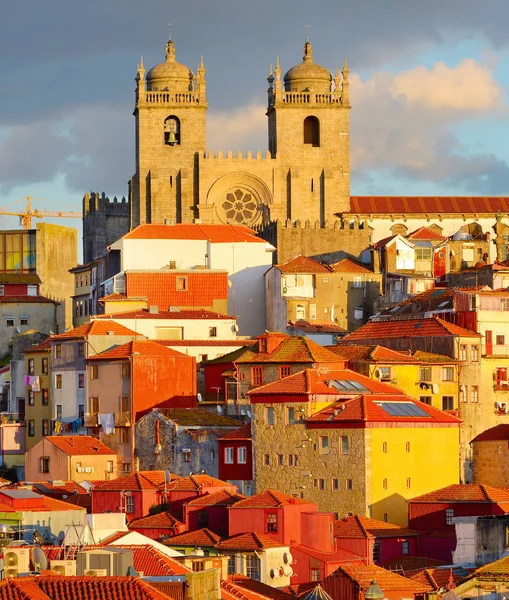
312, 131
172, 131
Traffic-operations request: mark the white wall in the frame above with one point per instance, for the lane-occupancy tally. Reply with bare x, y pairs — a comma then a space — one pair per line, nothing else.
276, 313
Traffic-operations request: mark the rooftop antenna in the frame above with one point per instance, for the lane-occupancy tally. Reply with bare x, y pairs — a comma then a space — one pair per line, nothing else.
308, 27
169, 28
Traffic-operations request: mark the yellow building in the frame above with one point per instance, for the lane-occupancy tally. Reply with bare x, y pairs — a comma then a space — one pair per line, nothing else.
369, 450
38, 394
427, 377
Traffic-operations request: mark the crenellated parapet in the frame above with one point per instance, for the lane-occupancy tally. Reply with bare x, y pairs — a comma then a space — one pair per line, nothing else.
238, 157
100, 203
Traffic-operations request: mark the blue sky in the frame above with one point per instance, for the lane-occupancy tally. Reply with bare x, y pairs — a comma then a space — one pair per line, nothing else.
428, 88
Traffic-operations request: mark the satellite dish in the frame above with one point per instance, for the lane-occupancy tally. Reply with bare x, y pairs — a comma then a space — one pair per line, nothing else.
39, 559
199, 397
38, 539
167, 476
242, 412
219, 409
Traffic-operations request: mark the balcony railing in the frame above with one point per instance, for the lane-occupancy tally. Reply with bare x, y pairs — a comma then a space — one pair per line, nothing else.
495, 350
501, 386
9, 418
91, 420
122, 419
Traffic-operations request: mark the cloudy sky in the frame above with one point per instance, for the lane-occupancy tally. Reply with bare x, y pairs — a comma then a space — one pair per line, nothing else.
428, 88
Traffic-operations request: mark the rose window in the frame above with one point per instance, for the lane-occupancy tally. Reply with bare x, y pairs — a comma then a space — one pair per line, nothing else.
240, 206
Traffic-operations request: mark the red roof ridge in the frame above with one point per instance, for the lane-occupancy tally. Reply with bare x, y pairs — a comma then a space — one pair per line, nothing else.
361, 525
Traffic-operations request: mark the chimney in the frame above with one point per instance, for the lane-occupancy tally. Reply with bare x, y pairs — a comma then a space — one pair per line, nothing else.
172, 264
375, 260
153, 310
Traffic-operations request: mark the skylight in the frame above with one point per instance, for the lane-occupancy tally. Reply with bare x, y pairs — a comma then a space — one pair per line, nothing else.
347, 385
402, 409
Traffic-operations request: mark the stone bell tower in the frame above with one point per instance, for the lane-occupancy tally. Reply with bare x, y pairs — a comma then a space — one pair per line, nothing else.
170, 135
309, 136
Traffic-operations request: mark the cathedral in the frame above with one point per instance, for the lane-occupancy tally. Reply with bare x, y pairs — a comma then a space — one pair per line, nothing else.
304, 175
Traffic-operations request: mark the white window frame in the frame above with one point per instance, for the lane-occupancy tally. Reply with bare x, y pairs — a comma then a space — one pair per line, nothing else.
242, 455
229, 455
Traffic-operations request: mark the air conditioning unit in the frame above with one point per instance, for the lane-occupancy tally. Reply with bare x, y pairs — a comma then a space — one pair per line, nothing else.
274, 573
64, 567
424, 385
96, 573
12, 572
17, 559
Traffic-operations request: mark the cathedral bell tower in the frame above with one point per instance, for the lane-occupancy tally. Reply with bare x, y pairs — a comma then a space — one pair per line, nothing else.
309, 137
170, 135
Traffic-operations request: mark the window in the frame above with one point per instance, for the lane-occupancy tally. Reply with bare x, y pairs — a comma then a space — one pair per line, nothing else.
126, 467
58, 382
94, 372
9, 321
425, 374
358, 313
408, 482
386, 518
253, 567
312, 312
293, 460
384, 484
24, 320
123, 435
280, 460
384, 447
187, 455
129, 504
344, 447
405, 548
463, 394
2, 290
500, 339
407, 447
124, 404
271, 522
212, 332
349, 485
316, 574
44, 464
45, 396
312, 131
181, 284
31, 397
125, 370
212, 455
474, 393
94, 404
45, 427
81, 411
357, 282
449, 515
447, 402
384, 373
228, 456
202, 519
324, 444
31, 428
81, 349
231, 565
376, 552
31, 366
463, 352
58, 350
256, 375
335, 485
290, 416
423, 254
81, 380
284, 371
242, 455
425, 399
266, 460
447, 374
44, 366
269, 415
474, 353
300, 312
58, 409
321, 484
501, 374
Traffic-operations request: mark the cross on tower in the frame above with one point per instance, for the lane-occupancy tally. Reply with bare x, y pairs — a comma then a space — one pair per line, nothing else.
169, 28
308, 27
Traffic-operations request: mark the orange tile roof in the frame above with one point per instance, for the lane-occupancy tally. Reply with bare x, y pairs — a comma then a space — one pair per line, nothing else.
42, 347
231, 343
357, 526
408, 328
112, 298
303, 264
59, 587
495, 570
26, 300
78, 445
347, 265
425, 233
269, 499
499, 433
223, 497
390, 205
218, 234
243, 433
249, 541
292, 349
436, 578
231, 590
46, 504
188, 315
160, 287
387, 580
95, 327
203, 538
366, 408
154, 563
197, 417
253, 587
196, 483
316, 327
372, 353
51, 488
141, 347
465, 492
141, 480
409, 563
162, 520
316, 381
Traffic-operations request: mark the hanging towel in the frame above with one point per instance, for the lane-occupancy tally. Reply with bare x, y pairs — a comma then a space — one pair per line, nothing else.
27, 380
57, 427
107, 422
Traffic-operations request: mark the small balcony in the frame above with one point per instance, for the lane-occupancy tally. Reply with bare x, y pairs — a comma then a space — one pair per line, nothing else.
91, 420
10, 418
122, 419
501, 386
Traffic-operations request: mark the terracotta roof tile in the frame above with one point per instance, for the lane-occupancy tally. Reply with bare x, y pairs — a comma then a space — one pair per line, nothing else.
218, 234
436, 578
465, 492
42, 347
188, 315
262, 590
162, 520
141, 347
202, 538
46, 504
141, 480
316, 327
371, 353
184, 343
347, 265
26, 300
409, 563
269, 499
78, 445
387, 580
223, 497
407, 328
243, 433
495, 570
154, 563
249, 541
196, 483
112, 298
425, 233
233, 591
95, 327
198, 417
428, 205
499, 433
303, 264
19, 278
358, 526
292, 349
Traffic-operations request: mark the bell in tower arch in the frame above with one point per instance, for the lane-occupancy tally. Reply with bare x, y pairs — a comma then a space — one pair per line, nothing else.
172, 131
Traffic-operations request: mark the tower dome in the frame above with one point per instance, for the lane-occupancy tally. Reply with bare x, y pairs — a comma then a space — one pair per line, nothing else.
308, 76
170, 75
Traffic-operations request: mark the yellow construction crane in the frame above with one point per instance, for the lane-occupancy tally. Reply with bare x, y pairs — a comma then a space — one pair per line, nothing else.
28, 214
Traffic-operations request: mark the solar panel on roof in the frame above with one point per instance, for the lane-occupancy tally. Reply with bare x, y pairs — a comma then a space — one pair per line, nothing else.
437, 293
347, 385
418, 324
402, 409
21, 494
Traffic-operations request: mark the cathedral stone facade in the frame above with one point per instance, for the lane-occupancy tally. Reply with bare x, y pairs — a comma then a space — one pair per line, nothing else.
304, 176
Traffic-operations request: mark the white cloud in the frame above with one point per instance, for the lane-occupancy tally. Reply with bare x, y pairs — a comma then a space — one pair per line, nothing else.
241, 129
